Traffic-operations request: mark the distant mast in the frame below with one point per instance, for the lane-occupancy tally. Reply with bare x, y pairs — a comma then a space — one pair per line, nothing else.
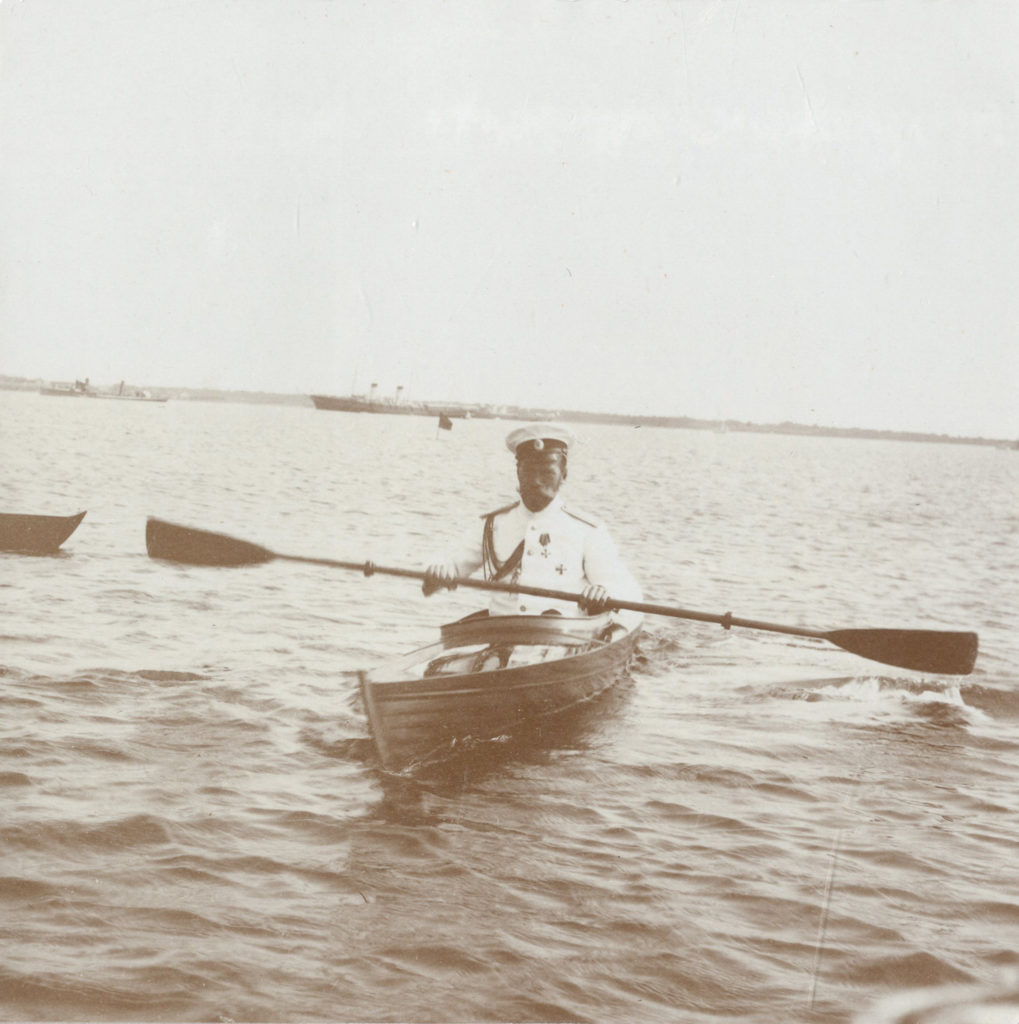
357, 373
399, 391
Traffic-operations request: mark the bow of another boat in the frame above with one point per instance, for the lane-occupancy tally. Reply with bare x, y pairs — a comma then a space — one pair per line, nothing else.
35, 535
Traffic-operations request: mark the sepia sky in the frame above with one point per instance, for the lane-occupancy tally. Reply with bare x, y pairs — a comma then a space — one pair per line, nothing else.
767, 210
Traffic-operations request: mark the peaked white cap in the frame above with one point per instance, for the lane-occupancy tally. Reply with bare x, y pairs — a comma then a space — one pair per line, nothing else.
540, 436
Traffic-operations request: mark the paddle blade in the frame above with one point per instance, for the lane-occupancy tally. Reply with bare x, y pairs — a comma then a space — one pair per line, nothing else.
199, 547
924, 650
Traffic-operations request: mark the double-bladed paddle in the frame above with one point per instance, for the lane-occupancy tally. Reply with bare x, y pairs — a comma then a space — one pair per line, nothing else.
923, 650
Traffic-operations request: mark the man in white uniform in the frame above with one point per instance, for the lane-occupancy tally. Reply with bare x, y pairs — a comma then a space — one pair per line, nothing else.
541, 542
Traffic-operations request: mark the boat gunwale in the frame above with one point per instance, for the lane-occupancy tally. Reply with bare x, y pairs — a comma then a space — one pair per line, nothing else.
507, 629
540, 669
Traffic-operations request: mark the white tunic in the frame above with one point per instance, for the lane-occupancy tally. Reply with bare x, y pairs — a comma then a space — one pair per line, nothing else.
563, 550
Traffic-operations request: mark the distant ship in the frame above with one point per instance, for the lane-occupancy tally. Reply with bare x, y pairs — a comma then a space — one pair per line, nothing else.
133, 395
83, 389
79, 390
374, 403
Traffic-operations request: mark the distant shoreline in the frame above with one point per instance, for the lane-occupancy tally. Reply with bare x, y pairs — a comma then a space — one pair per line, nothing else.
513, 412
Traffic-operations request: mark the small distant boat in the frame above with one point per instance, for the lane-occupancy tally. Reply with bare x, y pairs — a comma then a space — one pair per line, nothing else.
59, 392
80, 389
36, 535
130, 398
488, 678
134, 395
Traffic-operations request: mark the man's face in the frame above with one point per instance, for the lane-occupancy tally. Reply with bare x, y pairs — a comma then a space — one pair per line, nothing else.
540, 475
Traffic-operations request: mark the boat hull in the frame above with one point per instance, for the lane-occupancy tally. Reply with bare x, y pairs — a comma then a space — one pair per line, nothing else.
488, 678
37, 535
128, 398
351, 403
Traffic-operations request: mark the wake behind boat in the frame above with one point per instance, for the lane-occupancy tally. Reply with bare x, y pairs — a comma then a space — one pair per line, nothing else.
489, 677
36, 535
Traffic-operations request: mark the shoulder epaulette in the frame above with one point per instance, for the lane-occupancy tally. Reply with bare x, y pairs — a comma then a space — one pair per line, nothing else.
499, 511
586, 519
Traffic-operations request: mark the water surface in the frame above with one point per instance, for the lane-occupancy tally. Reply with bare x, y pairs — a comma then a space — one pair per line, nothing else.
752, 827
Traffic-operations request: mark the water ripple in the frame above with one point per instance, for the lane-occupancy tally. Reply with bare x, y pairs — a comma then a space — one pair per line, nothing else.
751, 827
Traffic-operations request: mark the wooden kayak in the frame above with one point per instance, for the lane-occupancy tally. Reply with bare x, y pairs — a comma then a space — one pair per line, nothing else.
487, 678
36, 535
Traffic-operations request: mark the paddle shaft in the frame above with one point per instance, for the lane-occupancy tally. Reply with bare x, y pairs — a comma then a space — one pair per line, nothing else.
925, 650
727, 620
